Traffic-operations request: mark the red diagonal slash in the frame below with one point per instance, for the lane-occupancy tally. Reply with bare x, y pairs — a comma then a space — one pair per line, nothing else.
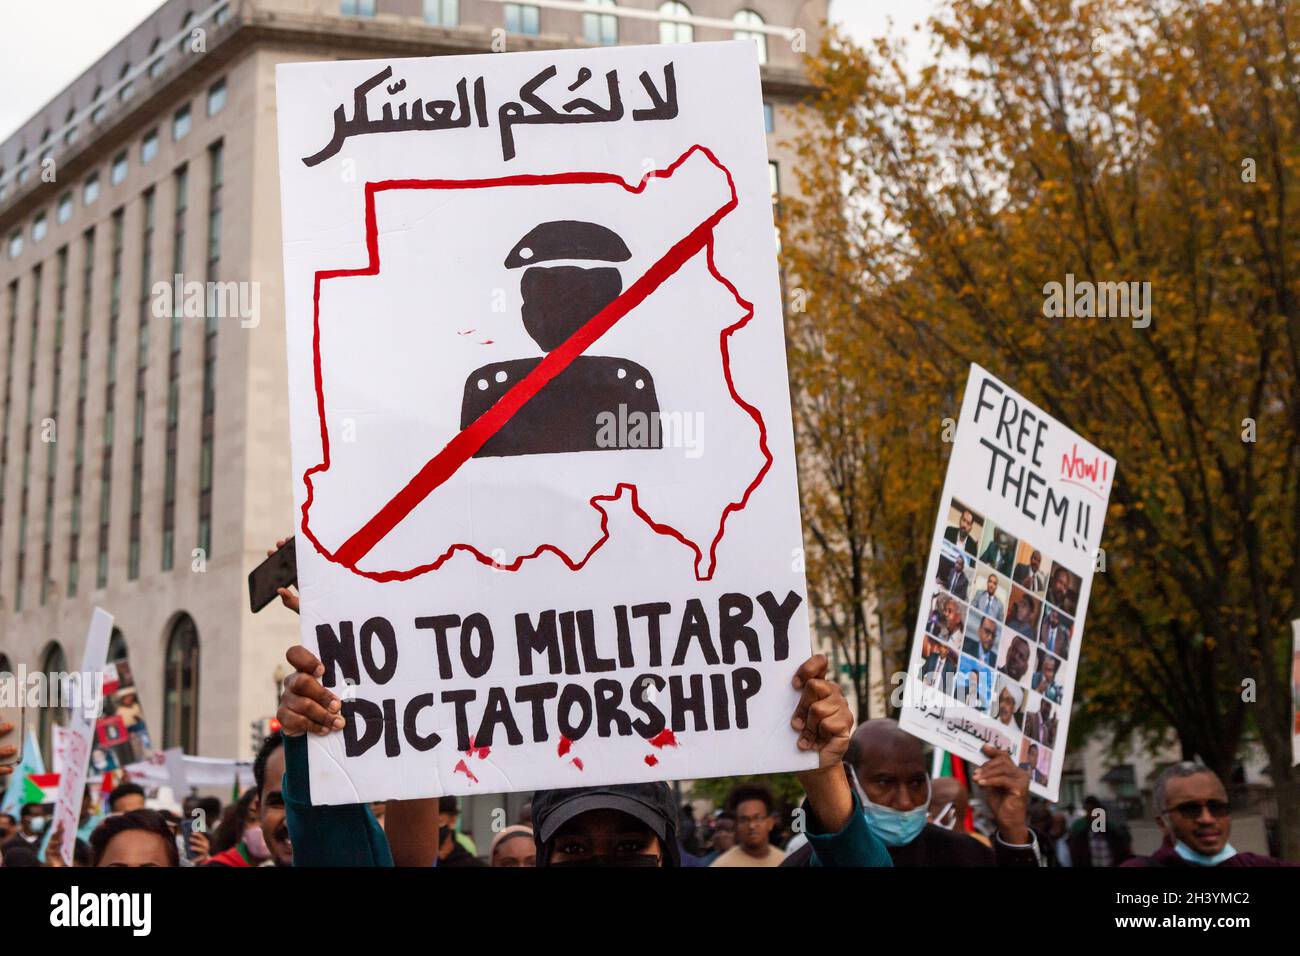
467, 442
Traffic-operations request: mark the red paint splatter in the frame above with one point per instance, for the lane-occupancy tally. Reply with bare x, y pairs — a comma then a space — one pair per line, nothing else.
486, 342
577, 762
665, 738
563, 748
462, 768
651, 760
466, 331
480, 751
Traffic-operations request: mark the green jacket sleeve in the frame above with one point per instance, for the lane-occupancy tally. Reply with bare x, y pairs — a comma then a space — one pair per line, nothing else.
855, 845
345, 835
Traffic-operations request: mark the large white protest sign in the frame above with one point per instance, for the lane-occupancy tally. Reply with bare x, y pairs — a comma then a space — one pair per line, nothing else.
80, 733
548, 531
997, 639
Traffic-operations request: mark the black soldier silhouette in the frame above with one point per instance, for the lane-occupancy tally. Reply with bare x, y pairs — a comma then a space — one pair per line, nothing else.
557, 301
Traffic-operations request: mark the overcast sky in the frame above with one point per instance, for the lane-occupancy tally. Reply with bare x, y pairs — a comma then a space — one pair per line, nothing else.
49, 43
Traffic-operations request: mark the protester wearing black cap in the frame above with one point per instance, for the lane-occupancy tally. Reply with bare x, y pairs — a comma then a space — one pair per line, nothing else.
631, 824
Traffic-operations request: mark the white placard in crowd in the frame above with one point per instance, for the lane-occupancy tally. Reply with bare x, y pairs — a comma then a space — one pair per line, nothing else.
79, 735
997, 638
548, 529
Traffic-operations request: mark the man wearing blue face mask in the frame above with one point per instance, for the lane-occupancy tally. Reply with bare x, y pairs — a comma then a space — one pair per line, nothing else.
888, 769
1193, 812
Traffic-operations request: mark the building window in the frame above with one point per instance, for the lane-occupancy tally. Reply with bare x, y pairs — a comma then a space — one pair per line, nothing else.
769, 118
149, 147
23, 169
27, 439
63, 211
79, 443
217, 97
358, 8
182, 178
442, 13
116, 647
118, 171
523, 18
90, 191
110, 397
56, 381
747, 24
223, 14
141, 380
181, 687
181, 123
127, 90
8, 396
53, 661
671, 32
40, 226
600, 29
216, 174
16, 244
97, 114
156, 64
69, 130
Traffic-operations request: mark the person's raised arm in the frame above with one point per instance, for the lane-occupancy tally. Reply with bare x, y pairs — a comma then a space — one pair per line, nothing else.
307, 707
346, 835
836, 828
825, 724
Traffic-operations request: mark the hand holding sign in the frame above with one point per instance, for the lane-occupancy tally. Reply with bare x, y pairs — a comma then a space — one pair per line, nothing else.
305, 706
1006, 787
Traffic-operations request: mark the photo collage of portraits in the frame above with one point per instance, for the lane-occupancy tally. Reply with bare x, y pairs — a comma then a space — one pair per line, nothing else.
999, 630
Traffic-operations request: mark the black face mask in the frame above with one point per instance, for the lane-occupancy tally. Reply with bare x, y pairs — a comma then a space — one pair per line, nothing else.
443, 834
558, 300
640, 859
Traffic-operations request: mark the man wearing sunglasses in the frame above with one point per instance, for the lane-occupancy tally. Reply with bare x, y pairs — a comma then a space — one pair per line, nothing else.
1193, 812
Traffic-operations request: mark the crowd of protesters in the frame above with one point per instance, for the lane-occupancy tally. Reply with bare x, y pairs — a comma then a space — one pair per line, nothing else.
870, 802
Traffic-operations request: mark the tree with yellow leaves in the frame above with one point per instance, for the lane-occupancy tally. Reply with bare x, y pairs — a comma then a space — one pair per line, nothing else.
1056, 145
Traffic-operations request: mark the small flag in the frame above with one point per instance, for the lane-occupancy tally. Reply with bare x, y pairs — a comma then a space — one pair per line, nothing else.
41, 788
31, 763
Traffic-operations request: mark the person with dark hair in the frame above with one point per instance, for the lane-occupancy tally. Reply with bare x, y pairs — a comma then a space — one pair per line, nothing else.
619, 825
1099, 838
8, 826
32, 820
753, 805
17, 853
134, 838
126, 797
268, 771
238, 840
722, 837
209, 810
1195, 816
1000, 552
450, 850
235, 817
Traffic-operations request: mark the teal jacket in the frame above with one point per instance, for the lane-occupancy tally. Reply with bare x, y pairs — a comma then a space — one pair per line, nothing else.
344, 835
855, 845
